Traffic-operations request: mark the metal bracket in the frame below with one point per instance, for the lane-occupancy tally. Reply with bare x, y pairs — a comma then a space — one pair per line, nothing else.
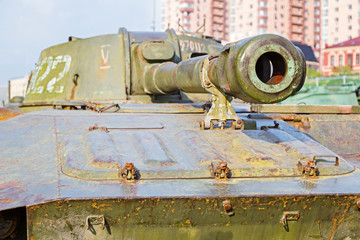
221, 109
95, 220
289, 216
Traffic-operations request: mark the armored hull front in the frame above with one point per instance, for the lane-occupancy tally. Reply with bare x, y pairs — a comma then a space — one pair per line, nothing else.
69, 177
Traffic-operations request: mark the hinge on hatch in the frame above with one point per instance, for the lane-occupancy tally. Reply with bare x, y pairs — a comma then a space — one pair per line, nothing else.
220, 170
129, 172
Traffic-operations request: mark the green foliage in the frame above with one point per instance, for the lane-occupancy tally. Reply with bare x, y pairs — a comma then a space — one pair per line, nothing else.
343, 70
312, 73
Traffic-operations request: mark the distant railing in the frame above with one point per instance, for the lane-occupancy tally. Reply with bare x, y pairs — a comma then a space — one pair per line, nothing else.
345, 79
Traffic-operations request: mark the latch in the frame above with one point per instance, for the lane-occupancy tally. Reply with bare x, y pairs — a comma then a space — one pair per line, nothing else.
129, 172
96, 127
276, 125
220, 170
95, 220
289, 216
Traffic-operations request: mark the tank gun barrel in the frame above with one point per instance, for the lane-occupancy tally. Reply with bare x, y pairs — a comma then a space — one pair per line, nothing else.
262, 69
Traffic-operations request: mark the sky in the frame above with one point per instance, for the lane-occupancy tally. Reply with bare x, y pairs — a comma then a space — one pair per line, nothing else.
29, 26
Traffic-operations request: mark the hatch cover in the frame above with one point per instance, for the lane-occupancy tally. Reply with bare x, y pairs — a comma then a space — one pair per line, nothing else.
161, 153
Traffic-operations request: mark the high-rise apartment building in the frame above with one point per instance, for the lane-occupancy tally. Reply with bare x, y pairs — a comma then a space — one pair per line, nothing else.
192, 13
296, 20
313, 22
340, 21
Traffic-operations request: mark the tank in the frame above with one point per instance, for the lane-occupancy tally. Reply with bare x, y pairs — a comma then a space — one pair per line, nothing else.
341, 94
154, 135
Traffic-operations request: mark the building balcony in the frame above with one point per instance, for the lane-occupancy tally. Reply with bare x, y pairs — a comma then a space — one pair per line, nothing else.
218, 21
186, 9
187, 1
297, 13
298, 23
218, 4
296, 5
297, 31
217, 13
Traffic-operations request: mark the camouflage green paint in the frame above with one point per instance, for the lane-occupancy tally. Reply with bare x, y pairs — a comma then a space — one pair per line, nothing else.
321, 217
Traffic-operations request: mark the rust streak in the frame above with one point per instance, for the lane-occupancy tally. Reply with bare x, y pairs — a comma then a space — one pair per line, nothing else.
8, 113
337, 223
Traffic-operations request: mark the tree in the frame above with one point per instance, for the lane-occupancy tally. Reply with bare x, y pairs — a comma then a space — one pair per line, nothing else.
312, 73
343, 70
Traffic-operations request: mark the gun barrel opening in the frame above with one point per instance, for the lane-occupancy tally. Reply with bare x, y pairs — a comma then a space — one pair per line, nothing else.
270, 68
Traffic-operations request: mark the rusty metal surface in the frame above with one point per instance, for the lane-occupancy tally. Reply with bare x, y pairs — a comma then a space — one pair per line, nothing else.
338, 132
308, 109
8, 113
47, 136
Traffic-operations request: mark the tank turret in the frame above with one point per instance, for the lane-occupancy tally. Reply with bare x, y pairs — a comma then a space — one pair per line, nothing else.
140, 66
127, 65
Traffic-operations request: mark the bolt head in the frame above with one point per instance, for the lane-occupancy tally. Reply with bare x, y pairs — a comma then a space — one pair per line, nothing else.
227, 205
358, 203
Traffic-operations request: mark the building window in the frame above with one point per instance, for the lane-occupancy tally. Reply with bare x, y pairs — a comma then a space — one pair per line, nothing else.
332, 61
341, 60
349, 59
262, 13
350, 6
357, 59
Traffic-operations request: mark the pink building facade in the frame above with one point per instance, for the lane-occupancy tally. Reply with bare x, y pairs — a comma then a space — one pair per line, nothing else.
317, 23
296, 20
342, 54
